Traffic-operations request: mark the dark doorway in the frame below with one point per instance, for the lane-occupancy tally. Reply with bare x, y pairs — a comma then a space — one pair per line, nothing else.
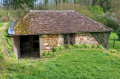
29, 46
69, 39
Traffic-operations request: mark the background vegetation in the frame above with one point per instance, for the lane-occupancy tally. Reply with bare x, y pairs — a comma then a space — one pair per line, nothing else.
104, 11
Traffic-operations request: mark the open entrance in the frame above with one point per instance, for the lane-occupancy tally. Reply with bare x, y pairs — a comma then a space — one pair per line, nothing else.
29, 46
69, 39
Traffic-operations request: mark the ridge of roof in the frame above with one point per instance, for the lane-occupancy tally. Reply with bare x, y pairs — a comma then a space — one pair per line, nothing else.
52, 11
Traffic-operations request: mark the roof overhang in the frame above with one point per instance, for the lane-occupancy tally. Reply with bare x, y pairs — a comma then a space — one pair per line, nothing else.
58, 33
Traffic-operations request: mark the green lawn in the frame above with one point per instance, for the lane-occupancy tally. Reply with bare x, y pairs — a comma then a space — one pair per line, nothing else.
117, 42
67, 64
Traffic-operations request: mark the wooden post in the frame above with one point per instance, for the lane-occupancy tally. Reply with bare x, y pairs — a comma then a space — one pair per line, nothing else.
41, 45
114, 43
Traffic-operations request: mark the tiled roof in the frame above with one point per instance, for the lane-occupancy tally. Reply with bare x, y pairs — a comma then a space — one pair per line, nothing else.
55, 22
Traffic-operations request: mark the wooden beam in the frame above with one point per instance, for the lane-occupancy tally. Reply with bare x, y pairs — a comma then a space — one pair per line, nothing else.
41, 45
68, 39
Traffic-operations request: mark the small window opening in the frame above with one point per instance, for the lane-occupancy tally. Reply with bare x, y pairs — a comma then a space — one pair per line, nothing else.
69, 39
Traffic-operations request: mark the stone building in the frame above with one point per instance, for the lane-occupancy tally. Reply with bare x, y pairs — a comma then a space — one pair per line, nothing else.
41, 30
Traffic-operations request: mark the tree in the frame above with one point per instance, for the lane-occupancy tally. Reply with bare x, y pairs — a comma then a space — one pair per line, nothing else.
118, 33
18, 3
105, 4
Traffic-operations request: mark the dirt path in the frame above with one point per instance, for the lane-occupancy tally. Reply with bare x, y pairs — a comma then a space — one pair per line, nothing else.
4, 26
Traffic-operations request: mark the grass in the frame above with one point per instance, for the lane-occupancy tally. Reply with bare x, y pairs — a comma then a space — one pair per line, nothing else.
67, 64
1, 24
5, 44
117, 42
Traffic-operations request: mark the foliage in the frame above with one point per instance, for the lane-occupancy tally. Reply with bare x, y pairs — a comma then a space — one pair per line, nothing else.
86, 46
76, 46
18, 3
116, 8
113, 51
55, 49
61, 47
118, 33
77, 7
69, 46
105, 4
96, 9
100, 46
5, 43
48, 54
111, 21
94, 46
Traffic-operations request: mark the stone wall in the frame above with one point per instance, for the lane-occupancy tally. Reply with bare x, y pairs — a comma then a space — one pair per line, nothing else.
85, 38
60, 40
102, 38
50, 41
16, 45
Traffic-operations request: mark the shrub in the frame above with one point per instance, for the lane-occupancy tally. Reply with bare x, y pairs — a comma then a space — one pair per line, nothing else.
113, 51
69, 46
94, 46
55, 49
96, 9
100, 46
76, 46
118, 33
47, 54
86, 46
82, 46
61, 47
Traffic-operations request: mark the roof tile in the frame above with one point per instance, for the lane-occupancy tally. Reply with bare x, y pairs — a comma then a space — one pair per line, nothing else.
55, 21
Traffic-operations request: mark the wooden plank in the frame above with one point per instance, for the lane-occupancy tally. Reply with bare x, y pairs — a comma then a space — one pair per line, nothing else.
68, 39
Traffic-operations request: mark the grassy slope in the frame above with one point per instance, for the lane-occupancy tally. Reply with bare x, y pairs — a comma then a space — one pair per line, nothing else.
117, 43
69, 64
4, 41
5, 45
